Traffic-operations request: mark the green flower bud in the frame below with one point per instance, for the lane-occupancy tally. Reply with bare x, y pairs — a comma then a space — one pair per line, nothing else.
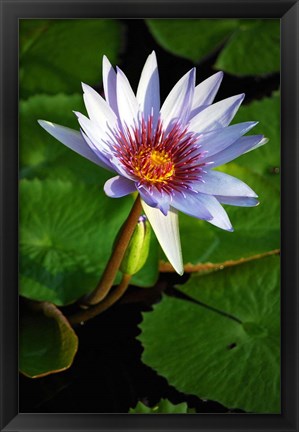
138, 248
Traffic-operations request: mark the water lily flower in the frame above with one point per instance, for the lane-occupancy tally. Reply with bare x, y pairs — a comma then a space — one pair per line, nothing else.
167, 154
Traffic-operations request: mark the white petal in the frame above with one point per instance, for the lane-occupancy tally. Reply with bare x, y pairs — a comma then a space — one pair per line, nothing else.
109, 83
98, 109
72, 139
148, 92
94, 132
178, 103
217, 115
206, 91
128, 107
166, 229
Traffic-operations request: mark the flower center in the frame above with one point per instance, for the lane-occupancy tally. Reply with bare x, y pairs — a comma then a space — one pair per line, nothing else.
155, 166
160, 160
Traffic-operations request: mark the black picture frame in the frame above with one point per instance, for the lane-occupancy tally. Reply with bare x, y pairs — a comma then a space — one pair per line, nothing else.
11, 12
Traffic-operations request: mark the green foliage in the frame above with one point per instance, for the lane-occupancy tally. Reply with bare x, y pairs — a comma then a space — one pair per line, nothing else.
265, 160
247, 47
254, 49
164, 406
48, 343
56, 55
66, 236
222, 342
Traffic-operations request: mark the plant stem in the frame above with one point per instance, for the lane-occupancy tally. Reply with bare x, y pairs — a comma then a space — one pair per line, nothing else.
111, 298
116, 257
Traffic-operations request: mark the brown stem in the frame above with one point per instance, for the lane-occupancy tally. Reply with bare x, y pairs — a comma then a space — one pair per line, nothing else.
116, 257
111, 298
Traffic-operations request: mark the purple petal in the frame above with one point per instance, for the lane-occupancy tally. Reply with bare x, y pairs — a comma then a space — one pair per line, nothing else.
192, 204
218, 183
218, 140
148, 92
262, 142
238, 201
178, 103
217, 115
205, 93
109, 83
239, 147
220, 217
146, 196
73, 140
118, 186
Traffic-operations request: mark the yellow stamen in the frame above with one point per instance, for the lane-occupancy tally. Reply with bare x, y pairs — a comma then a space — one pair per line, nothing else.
153, 165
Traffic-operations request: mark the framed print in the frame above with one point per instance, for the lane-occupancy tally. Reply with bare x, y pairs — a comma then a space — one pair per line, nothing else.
149, 215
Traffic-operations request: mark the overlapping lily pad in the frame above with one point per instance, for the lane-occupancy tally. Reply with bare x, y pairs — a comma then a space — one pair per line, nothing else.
206, 35
223, 342
56, 55
247, 46
164, 406
48, 343
254, 49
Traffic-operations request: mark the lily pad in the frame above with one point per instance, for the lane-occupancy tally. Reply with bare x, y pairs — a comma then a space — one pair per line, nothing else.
266, 159
191, 38
66, 235
164, 406
48, 343
223, 341
56, 55
254, 49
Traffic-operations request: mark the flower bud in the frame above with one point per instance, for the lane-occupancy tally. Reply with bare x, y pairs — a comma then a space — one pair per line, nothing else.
138, 248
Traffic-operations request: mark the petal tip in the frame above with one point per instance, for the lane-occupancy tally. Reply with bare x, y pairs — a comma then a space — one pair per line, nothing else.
180, 271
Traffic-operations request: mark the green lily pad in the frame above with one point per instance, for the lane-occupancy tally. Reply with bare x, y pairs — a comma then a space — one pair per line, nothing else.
222, 344
164, 406
256, 229
66, 235
266, 159
56, 55
48, 343
191, 38
254, 49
